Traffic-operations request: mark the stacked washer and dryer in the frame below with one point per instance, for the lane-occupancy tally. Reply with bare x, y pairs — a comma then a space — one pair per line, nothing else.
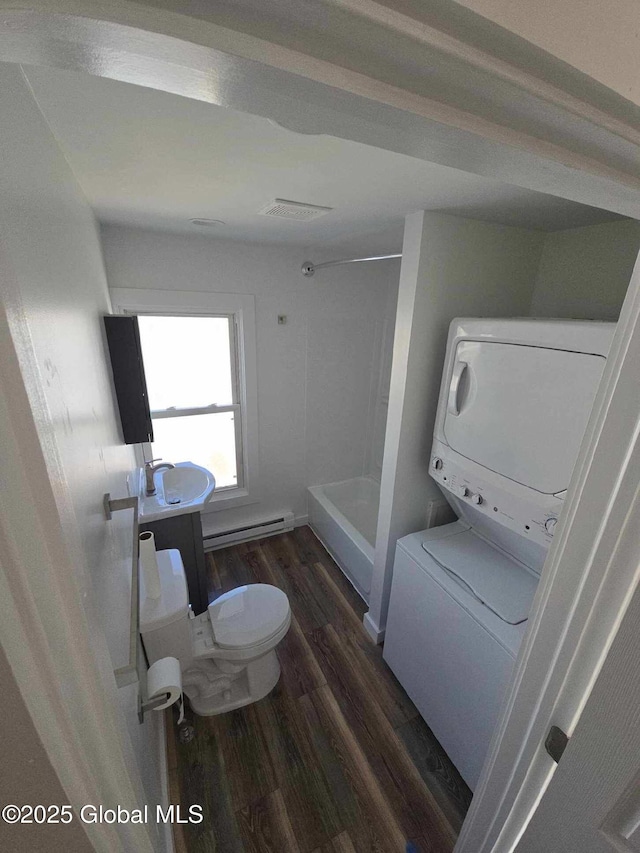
514, 403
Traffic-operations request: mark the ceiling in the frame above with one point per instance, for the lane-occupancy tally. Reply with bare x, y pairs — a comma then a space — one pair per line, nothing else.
149, 159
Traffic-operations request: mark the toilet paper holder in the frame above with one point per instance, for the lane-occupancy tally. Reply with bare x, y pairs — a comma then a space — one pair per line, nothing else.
150, 705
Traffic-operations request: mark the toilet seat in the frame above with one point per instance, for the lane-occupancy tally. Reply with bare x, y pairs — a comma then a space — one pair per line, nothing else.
248, 616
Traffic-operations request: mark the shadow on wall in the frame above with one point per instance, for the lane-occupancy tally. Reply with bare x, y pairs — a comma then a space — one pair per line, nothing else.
584, 272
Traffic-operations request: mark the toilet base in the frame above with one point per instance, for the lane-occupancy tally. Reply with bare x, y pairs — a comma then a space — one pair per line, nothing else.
255, 682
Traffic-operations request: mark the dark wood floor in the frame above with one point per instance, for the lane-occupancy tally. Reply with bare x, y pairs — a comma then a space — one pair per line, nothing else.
336, 759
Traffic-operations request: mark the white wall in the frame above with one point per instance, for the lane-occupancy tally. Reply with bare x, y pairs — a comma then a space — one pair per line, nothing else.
150, 259
53, 294
584, 272
348, 310
451, 267
382, 382
315, 373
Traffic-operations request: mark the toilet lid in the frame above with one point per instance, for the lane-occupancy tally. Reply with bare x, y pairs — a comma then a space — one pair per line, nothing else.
248, 615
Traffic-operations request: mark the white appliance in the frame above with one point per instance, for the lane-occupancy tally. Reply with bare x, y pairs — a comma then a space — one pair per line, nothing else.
514, 403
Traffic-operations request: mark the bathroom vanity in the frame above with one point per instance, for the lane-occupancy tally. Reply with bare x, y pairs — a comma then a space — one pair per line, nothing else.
172, 514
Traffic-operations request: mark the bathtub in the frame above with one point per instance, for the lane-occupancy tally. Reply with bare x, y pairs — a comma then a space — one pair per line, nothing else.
344, 516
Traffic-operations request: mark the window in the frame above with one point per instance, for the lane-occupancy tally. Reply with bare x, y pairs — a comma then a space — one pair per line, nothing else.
190, 366
199, 359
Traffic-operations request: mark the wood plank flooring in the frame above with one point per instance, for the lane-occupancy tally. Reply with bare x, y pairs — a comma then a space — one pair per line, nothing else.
336, 759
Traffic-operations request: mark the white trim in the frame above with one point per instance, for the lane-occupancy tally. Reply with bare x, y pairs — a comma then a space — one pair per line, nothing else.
242, 307
586, 585
373, 629
201, 410
228, 500
486, 63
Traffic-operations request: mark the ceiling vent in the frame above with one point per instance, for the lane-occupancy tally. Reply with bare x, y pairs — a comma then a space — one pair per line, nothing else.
294, 210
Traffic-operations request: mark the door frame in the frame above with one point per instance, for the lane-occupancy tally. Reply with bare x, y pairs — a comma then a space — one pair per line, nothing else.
143, 45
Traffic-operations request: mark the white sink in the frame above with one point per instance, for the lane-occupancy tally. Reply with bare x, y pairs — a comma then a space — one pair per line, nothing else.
179, 490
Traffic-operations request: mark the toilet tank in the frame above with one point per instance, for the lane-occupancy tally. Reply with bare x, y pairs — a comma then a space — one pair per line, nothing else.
164, 621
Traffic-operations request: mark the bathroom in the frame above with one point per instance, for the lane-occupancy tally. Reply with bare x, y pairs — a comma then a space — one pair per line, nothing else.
338, 363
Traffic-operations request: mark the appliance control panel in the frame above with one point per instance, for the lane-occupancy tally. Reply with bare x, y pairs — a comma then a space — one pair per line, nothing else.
519, 508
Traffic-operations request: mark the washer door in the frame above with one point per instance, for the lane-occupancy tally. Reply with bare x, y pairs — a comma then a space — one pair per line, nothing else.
521, 411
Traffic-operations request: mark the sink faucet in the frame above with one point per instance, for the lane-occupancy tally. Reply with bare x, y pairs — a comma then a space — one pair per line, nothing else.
149, 471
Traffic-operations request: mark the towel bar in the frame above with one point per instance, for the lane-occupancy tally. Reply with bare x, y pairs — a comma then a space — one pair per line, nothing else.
129, 674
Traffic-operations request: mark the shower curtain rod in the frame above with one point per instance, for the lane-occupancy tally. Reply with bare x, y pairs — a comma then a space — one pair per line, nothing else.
308, 268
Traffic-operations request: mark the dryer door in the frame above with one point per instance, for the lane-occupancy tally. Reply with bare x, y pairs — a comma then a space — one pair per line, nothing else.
521, 411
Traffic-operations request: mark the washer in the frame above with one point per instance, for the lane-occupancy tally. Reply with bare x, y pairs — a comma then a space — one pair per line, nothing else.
514, 403
454, 654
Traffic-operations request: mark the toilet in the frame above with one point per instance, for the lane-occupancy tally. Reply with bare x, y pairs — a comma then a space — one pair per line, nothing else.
227, 654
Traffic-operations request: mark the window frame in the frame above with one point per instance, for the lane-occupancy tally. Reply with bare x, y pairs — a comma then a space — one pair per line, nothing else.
240, 308
235, 406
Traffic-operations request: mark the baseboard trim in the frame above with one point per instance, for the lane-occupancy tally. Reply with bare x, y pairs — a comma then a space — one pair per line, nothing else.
301, 520
373, 629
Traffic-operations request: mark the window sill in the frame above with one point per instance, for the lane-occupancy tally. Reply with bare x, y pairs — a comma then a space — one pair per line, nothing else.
227, 500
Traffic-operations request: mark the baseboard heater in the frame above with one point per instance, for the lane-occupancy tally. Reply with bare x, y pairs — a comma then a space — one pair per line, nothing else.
257, 530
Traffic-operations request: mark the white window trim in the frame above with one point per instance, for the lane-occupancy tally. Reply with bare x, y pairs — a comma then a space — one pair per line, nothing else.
242, 307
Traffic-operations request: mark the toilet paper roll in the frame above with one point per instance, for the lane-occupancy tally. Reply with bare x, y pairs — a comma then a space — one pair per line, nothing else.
149, 565
165, 676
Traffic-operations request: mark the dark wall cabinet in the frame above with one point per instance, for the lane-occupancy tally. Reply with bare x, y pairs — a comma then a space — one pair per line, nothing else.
184, 532
125, 351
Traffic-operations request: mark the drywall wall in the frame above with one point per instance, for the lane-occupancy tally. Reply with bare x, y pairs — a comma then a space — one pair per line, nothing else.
53, 295
451, 267
315, 373
584, 272
382, 380
349, 308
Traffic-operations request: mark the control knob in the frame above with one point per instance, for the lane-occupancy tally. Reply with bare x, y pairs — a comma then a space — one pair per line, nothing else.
436, 463
464, 491
477, 499
550, 525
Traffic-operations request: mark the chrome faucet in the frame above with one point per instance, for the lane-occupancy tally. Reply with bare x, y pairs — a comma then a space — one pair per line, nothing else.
149, 471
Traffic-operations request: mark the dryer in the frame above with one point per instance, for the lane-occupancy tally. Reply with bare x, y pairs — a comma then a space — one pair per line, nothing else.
514, 403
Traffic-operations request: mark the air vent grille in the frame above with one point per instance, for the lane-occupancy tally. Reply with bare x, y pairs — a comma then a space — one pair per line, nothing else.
297, 210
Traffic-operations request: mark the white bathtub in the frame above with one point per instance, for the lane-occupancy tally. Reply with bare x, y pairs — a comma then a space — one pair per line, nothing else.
344, 516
